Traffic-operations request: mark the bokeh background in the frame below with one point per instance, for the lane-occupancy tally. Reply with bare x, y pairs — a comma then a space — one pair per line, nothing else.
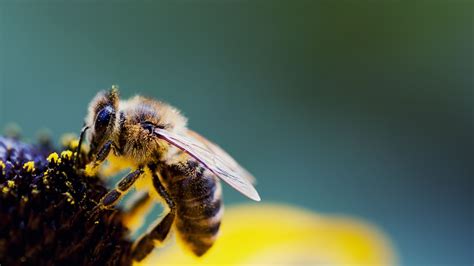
361, 108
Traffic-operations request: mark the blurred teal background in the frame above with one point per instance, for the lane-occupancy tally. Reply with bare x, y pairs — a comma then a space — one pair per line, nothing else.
362, 108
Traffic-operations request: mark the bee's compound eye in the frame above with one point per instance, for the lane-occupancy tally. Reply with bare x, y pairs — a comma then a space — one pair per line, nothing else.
103, 119
148, 126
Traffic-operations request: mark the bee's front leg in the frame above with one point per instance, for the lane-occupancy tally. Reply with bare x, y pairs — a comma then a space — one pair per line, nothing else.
99, 158
112, 197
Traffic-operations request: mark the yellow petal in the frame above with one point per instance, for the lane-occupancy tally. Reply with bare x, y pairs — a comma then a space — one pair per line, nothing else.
277, 234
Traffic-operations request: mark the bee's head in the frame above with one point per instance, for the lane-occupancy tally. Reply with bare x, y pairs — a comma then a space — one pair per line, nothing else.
101, 118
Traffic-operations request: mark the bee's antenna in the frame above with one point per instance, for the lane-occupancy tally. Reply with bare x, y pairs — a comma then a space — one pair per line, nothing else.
81, 138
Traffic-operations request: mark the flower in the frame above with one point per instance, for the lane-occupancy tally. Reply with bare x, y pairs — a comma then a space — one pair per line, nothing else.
267, 234
45, 207
45, 218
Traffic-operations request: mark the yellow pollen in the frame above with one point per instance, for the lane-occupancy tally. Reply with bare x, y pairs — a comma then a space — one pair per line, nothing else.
24, 198
66, 154
2, 166
70, 198
5, 189
73, 144
90, 170
11, 183
53, 157
45, 178
68, 139
29, 166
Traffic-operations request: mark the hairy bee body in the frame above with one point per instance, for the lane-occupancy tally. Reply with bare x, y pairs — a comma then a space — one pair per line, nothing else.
184, 167
199, 209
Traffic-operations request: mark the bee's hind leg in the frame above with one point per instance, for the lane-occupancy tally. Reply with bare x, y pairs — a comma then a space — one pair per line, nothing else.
159, 231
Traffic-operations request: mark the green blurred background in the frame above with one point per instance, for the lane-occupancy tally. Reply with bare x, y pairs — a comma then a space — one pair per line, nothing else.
361, 108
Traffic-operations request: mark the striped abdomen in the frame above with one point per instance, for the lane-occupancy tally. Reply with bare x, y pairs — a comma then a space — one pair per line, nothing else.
198, 208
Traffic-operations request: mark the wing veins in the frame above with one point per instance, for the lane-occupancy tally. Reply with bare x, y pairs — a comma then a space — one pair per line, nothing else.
204, 154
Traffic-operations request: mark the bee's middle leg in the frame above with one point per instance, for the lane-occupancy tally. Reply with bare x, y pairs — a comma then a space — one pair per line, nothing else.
159, 231
112, 197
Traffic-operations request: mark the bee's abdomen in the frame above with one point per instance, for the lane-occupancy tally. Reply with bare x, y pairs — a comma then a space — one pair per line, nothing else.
198, 210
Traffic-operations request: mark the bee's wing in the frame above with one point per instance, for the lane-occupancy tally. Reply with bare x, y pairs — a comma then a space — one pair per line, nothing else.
212, 159
218, 151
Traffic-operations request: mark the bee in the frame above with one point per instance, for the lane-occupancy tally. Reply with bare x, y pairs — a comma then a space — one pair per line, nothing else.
181, 166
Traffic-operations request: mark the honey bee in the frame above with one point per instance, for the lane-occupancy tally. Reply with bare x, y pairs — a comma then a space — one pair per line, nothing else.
151, 137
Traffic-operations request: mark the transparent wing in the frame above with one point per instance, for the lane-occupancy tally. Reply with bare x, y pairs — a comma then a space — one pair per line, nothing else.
214, 159
218, 151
